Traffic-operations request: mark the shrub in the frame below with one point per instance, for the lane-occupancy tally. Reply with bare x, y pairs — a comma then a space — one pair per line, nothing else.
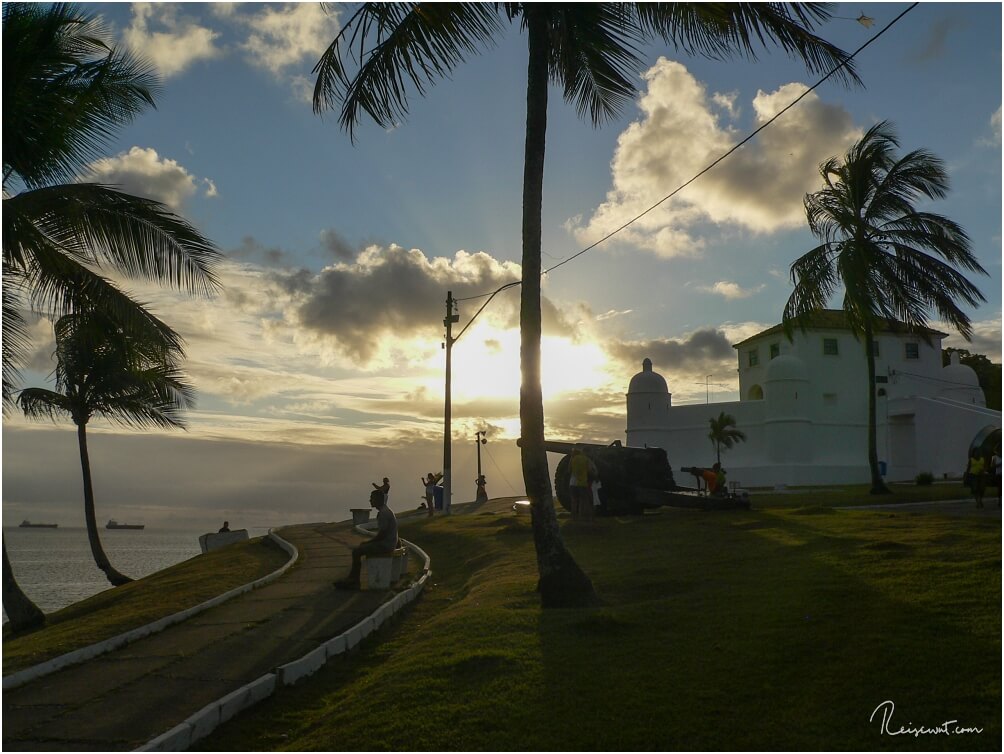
925, 478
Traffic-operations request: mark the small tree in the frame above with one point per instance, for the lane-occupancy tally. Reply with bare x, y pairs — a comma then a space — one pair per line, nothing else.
724, 434
102, 369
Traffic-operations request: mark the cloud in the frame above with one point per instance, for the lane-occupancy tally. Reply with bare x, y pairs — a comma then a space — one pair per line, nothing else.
935, 43
145, 173
393, 292
694, 353
758, 188
986, 338
292, 35
994, 139
730, 290
168, 39
333, 242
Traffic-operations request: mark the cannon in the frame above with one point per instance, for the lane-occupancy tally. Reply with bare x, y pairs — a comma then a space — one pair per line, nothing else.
631, 479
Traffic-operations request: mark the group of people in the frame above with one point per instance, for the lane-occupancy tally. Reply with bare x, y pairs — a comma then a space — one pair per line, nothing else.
983, 471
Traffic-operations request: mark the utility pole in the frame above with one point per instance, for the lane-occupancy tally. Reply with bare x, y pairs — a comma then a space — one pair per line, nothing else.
451, 317
707, 391
480, 496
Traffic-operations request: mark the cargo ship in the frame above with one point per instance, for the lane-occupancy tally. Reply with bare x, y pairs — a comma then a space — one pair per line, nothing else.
29, 525
113, 524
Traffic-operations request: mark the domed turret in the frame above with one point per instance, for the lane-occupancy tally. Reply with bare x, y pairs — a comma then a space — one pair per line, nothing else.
960, 383
648, 403
647, 381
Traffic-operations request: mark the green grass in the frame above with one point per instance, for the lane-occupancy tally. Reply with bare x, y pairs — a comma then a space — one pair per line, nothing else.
771, 629
143, 601
858, 494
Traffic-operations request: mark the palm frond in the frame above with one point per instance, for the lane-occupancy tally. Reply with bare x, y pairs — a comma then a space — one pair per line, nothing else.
594, 55
397, 45
722, 31
98, 224
40, 404
66, 91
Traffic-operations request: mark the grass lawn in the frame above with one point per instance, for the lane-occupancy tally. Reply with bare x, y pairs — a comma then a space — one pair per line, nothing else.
775, 629
858, 494
143, 601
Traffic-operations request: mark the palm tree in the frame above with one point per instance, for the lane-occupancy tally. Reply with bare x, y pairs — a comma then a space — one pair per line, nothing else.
724, 433
66, 92
893, 261
22, 613
102, 369
592, 50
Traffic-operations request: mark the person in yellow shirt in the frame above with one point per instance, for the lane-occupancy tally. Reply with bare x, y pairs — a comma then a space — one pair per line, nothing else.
976, 474
582, 473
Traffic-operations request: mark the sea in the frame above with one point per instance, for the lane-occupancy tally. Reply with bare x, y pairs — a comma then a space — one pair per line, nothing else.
54, 567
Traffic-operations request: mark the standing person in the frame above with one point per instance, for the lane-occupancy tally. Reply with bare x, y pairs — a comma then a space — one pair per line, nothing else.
429, 482
383, 543
225, 528
976, 476
582, 473
995, 472
482, 493
384, 488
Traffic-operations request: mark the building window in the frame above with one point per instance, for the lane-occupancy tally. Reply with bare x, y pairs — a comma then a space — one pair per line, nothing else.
775, 350
912, 350
875, 348
830, 347
755, 393
754, 357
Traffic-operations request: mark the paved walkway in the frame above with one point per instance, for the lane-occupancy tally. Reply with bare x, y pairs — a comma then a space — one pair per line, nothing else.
123, 699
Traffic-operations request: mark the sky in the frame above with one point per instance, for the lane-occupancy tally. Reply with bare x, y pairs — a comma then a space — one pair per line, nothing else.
319, 366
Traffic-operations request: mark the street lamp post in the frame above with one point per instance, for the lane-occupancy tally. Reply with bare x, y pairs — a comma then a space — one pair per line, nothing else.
451, 317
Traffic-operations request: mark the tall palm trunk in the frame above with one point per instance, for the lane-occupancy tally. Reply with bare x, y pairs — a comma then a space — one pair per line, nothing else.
97, 551
878, 486
561, 582
21, 611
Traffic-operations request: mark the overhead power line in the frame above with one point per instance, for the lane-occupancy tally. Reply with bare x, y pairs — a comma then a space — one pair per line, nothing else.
682, 186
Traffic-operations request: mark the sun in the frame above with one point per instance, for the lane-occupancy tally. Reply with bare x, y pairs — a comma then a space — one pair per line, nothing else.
486, 365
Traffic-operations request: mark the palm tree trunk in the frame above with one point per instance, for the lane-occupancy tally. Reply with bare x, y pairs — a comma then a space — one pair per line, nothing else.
878, 486
22, 613
561, 582
116, 578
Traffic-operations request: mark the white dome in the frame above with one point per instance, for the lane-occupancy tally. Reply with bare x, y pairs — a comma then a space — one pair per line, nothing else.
958, 376
647, 381
786, 368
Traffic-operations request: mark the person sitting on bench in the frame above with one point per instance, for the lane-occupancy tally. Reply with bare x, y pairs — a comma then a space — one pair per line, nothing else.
384, 543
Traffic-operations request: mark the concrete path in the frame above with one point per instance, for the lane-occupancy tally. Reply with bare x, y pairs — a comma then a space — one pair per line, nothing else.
121, 700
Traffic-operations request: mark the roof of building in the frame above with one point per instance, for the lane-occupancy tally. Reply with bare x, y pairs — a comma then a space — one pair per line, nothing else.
836, 319
647, 381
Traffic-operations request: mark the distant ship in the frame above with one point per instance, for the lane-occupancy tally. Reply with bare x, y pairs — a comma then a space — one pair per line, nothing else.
29, 525
113, 524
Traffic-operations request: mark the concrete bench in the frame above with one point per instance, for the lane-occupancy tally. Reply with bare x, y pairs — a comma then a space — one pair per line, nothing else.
216, 540
382, 571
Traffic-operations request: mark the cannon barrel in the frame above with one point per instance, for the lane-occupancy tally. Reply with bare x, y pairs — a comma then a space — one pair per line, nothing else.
554, 446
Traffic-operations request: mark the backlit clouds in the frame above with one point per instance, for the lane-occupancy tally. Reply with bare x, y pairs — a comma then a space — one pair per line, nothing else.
388, 292
293, 35
759, 188
145, 173
730, 290
168, 38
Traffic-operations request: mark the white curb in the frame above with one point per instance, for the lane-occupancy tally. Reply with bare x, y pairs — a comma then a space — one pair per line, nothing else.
206, 720
77, 656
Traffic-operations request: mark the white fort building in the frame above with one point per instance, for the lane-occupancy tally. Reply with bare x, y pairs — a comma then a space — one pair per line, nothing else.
804, 409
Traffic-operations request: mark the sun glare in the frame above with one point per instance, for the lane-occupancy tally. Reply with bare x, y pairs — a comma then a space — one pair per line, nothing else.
487, 365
